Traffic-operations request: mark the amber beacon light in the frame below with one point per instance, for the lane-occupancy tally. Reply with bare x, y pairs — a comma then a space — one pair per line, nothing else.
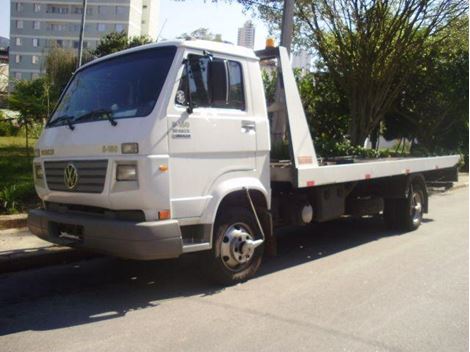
270, 43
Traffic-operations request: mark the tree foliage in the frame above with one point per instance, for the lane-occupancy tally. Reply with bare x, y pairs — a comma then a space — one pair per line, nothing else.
201, 33
325, 107
30, 99
117, 41
59, 65
369, 47
432, 108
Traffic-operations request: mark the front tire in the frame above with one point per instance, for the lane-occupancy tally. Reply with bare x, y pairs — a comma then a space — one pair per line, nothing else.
231, 260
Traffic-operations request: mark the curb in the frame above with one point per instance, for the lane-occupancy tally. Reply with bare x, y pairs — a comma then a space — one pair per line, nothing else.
439, 190
460, 186
13, 221
47, 256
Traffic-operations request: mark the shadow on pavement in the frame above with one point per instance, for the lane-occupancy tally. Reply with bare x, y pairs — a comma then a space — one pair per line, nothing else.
107, 288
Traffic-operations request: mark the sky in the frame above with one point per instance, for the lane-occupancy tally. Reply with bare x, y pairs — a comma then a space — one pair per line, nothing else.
184, 17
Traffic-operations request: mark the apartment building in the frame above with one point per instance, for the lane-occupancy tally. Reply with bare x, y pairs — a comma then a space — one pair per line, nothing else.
302, 60
37, 25
246, 35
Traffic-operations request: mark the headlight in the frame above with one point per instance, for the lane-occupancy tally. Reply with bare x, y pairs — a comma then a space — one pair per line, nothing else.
129, 148
126, 173
38, 173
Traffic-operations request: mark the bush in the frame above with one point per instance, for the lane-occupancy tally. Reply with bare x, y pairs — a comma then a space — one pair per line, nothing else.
16, 177
34, 130
7, 128
8, 199
463, 162
327, 149
16, 198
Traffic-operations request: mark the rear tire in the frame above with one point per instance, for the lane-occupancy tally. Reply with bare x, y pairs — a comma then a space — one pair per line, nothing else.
229, 263
405, 214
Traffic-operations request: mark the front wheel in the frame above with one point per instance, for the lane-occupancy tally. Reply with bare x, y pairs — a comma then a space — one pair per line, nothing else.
237, 247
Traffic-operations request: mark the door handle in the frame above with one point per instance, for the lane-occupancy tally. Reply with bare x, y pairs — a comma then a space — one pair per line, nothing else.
248, 126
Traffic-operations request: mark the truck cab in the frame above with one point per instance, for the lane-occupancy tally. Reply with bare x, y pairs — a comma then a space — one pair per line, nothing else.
145, 144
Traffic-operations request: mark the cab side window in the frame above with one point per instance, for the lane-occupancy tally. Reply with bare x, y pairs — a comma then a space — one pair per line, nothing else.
236, 95
213, 83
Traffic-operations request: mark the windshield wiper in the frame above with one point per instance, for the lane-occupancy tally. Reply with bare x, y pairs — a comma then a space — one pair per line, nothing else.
64, 118
96, 113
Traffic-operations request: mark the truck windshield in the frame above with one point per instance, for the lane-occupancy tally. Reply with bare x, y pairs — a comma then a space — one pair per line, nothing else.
122, 87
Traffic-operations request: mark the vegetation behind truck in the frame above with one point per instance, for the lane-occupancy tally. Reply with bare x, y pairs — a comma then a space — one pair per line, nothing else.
165, 149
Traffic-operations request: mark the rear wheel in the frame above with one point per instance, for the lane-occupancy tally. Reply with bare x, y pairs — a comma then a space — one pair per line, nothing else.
237, 249
405, 214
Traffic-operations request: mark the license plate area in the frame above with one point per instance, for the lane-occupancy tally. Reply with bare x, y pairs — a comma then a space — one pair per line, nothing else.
68, 233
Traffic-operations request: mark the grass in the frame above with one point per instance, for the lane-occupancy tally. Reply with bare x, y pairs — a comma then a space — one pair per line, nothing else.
16, 175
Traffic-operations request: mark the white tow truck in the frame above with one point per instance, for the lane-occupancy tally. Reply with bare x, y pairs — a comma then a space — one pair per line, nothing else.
164, 149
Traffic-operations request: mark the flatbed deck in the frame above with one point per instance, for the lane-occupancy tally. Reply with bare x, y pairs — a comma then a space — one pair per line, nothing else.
362, 169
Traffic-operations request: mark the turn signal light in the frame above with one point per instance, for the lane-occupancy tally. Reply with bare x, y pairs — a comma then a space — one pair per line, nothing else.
38, 171
164, 214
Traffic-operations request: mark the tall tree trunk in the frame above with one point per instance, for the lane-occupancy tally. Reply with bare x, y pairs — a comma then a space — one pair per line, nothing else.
357, 132
398, 145
374, 139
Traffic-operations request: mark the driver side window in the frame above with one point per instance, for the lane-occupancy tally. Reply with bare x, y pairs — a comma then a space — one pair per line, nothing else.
214, 83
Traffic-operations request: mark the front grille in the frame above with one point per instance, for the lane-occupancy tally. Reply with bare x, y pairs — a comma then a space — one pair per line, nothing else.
91, 175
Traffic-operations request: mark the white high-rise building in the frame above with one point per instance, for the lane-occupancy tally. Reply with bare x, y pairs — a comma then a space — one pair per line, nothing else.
302, 60
36, 26
246, 35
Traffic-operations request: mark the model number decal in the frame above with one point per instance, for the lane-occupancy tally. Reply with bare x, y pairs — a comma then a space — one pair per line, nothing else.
109, 149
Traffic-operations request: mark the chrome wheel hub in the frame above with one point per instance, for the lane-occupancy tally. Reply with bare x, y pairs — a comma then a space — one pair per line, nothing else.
416, 209
238, 246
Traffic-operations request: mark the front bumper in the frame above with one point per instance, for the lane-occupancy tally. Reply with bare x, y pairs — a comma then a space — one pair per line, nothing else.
142, 241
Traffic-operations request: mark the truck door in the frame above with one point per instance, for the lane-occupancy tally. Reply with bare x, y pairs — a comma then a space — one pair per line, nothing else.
212, 132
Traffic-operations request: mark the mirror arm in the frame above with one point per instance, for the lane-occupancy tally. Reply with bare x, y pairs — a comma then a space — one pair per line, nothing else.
208, 55
190, 108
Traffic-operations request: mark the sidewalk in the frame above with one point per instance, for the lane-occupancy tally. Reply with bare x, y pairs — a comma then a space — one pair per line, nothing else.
20, 250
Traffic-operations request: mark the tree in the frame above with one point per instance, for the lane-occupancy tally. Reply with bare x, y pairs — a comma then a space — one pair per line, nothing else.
369, 47
201, 33
325, 107
117, 41
138, 40
30, 99
432, 107
59, 65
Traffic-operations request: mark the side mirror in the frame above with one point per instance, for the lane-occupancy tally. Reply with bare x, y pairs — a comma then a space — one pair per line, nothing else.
187, 71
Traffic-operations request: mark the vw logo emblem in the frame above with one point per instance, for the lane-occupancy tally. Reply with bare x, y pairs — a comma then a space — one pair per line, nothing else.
70, 176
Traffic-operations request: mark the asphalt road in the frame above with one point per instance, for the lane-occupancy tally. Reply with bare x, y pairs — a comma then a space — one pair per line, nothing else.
343, 286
